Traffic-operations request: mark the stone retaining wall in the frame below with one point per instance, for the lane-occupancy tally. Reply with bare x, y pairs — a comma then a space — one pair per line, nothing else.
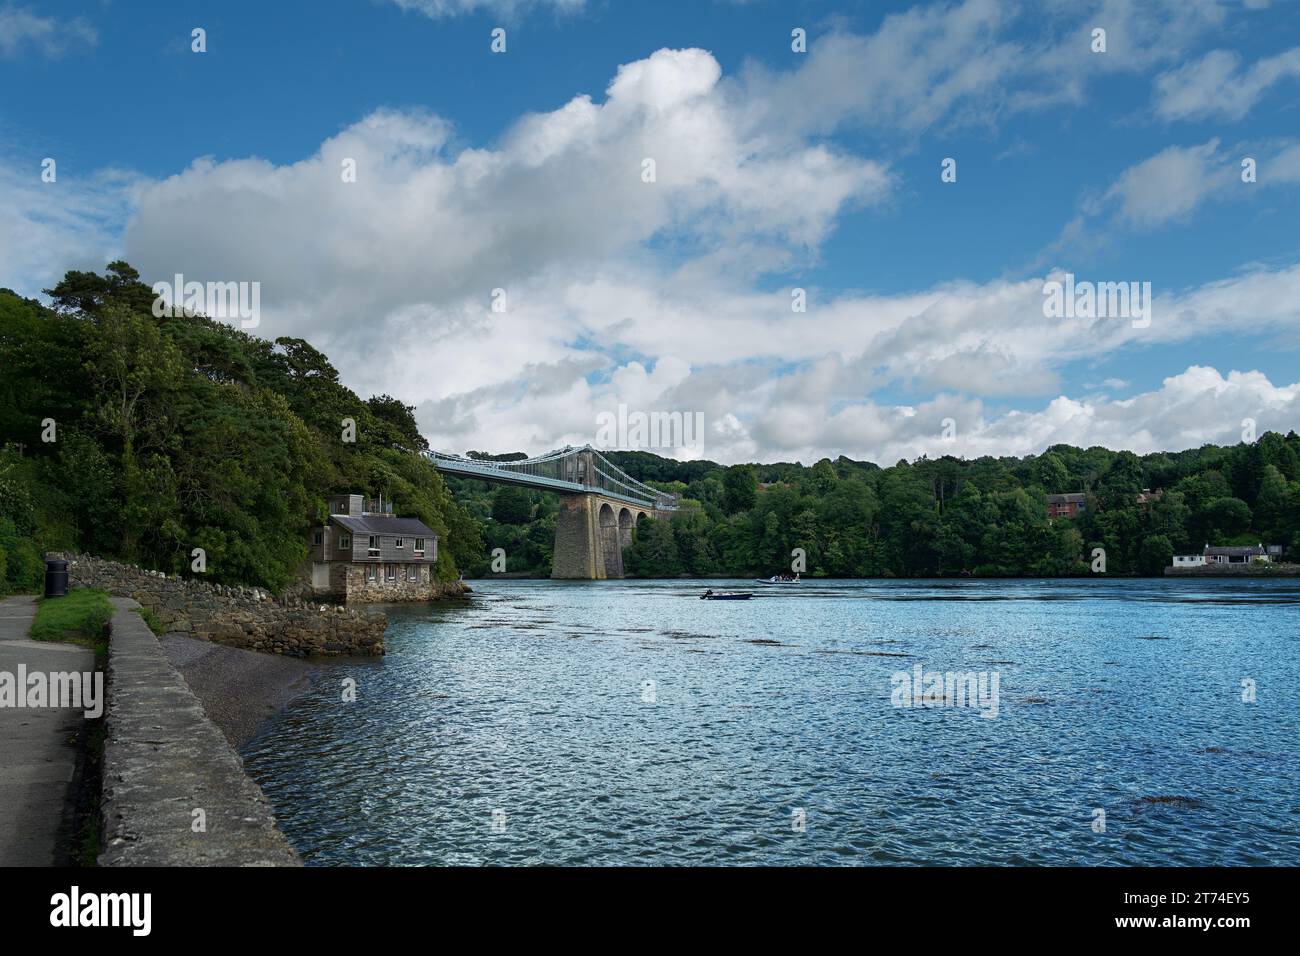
245, 617
175, 793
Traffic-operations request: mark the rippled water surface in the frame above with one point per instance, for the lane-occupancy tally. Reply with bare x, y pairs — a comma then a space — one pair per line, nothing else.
534, 700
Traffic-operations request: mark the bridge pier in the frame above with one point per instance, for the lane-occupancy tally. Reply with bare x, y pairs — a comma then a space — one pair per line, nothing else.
591, 532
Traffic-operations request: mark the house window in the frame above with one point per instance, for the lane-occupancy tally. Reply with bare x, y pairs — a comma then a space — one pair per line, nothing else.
371, 574
390, 572
374, 545
419, 546
317, 538
401, 542
413, 573
345, 542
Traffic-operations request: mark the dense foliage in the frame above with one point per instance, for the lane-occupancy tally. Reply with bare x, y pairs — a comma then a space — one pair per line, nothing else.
177, 433
986, 516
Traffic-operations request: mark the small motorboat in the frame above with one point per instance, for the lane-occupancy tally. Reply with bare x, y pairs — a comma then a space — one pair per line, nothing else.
778, 579
712, 595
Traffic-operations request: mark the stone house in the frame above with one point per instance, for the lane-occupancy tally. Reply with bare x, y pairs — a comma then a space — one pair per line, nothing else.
365, 553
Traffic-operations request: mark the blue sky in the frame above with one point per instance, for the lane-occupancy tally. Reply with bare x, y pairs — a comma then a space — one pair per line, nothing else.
778, 170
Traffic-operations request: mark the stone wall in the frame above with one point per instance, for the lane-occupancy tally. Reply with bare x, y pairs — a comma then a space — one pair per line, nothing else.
237, 616
167, 767
356, 589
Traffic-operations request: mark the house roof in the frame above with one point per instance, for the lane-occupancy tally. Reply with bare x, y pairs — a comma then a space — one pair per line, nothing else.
1235, 550
376, 524
1073, 496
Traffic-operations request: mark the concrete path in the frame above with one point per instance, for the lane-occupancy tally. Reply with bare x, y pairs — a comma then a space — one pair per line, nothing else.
38, 753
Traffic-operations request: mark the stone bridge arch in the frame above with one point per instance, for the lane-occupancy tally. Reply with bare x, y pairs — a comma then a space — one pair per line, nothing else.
591, 532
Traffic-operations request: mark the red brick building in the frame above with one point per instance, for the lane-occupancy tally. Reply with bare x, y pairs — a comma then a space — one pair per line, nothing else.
1067, 505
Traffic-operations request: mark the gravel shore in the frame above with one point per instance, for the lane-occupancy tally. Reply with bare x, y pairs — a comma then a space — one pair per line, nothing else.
239, 689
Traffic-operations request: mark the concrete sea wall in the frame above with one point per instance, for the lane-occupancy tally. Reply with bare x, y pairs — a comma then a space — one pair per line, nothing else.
174, 792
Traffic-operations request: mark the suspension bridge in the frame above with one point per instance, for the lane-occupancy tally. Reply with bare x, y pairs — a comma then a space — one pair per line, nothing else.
600, 503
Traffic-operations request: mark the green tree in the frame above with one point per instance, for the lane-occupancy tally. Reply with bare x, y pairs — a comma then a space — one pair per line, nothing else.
1156, 554
1229, 517
511, 505
653, 552
739, 489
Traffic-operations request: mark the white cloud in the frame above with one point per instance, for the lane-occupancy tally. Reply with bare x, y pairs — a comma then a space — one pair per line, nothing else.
1199, 405
424, 226
771, 386
1171, 185
1217, 86
47, 228
22, 30
949, 65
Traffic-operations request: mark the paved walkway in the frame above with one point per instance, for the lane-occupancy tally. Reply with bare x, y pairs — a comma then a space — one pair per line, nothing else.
37, 746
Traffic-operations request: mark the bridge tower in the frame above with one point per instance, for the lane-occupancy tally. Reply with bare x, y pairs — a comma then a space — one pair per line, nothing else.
591, 532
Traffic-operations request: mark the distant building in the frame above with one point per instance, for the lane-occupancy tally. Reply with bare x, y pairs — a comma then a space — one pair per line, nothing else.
1067, 505
1146, 495
1234, 554
364, 553
1230, 554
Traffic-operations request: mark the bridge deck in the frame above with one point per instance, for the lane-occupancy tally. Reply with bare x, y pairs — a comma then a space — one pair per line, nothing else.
494, 472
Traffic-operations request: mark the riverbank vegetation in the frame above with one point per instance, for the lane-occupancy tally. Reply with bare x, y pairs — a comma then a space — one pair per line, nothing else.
984, 516
141, 438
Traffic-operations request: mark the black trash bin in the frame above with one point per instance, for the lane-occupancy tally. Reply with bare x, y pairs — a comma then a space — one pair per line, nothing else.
56, 577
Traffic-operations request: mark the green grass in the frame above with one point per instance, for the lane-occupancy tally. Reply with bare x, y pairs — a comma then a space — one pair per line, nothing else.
80, 618
151, 619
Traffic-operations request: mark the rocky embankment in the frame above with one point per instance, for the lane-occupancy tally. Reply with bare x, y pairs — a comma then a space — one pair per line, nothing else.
248, 618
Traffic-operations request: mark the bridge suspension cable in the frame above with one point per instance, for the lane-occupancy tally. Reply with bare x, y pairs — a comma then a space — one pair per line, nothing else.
566, 469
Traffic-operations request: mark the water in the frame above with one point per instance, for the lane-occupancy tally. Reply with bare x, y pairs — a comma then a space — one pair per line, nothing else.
533, 701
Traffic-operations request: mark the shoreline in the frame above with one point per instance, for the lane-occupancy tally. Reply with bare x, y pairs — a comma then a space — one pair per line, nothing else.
240, 690
1279, 571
